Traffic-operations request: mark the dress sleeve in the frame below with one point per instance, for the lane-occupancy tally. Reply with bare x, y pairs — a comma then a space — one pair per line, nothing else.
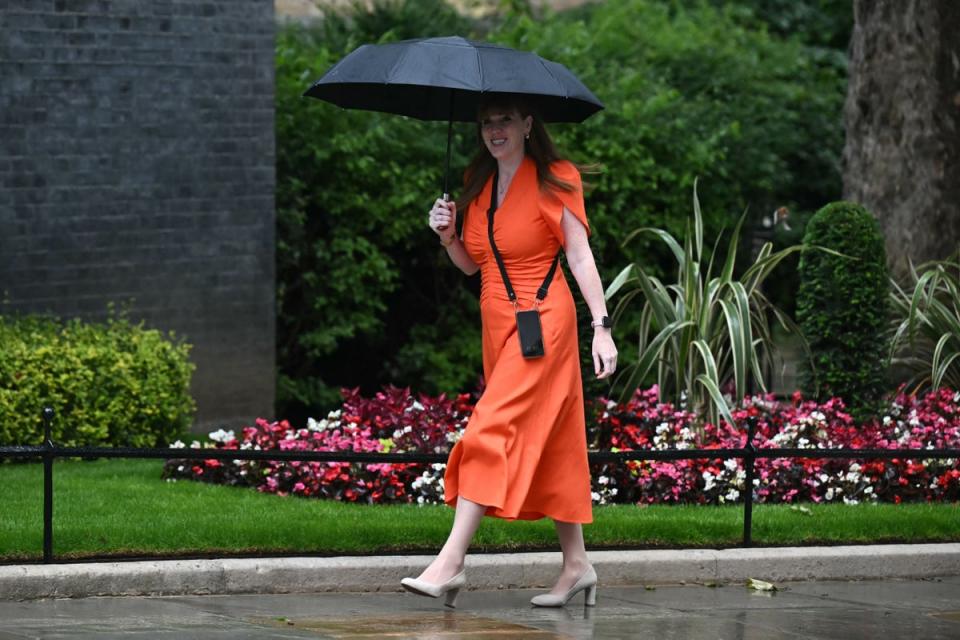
552, 203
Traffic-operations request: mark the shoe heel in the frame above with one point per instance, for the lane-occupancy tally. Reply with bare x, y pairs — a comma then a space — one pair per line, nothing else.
590, 596
451, 600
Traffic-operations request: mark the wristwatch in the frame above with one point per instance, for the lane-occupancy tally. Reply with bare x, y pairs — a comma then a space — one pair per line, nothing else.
604, 322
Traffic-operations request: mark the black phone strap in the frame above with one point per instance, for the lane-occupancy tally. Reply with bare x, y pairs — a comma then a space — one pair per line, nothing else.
542, 291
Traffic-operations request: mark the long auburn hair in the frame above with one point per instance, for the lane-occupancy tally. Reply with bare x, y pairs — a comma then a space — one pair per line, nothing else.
539, 146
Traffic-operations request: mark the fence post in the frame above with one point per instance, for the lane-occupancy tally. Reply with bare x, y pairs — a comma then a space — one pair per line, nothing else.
749, 458
47, 486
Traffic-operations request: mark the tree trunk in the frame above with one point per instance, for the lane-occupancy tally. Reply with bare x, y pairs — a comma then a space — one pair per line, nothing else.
902, 117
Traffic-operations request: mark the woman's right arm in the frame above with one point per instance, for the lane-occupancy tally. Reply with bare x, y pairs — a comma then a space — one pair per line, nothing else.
443, 221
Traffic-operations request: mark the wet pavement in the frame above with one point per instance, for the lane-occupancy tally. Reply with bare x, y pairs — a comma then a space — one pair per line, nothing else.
926, 609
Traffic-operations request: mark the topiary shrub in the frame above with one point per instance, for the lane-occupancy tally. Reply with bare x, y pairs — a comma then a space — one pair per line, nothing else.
112, 383
842, 306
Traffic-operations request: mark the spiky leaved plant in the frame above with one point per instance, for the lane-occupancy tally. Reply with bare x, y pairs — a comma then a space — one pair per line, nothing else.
705, 329
927, 337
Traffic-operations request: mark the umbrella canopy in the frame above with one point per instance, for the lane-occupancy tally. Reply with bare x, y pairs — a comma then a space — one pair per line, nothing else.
444, 79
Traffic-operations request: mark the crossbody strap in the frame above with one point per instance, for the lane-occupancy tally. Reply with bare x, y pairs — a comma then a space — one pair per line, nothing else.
542, 291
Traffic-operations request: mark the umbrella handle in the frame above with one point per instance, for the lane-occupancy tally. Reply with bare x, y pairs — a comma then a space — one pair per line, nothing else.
446, 198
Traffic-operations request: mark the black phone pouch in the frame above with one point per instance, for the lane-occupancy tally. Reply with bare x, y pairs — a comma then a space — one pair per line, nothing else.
530, 332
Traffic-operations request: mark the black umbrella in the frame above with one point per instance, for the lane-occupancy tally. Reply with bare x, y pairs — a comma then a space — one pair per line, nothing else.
444, 79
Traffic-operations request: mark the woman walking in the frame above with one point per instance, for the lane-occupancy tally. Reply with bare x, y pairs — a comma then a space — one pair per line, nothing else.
523, 454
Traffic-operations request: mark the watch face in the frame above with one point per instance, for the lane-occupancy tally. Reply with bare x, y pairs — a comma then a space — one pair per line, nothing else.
606, 322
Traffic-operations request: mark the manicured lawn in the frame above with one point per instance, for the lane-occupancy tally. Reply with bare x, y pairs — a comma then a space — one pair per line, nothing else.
121, 507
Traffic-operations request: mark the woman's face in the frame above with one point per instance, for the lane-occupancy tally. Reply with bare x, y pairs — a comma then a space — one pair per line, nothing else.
503, 131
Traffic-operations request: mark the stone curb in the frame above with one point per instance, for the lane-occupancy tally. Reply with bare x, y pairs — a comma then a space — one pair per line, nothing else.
484, 571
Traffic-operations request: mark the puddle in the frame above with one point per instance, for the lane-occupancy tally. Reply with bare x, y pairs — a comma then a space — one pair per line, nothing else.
952, 616
439, 626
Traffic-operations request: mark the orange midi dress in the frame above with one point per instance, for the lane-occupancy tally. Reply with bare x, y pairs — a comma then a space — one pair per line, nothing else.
523, 452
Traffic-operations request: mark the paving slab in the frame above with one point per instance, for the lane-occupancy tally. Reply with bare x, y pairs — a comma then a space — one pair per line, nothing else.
852, 610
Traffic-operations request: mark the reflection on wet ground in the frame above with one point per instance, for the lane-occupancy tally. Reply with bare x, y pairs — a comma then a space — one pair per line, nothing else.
889, 609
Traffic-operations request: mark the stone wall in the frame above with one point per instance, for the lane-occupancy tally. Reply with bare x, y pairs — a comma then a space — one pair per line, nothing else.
137, 164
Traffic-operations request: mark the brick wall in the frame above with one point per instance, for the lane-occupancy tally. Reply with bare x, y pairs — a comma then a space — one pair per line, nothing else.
137, 162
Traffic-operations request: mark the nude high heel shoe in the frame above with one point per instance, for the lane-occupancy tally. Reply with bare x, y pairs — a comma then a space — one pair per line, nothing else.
451, 587
587, 583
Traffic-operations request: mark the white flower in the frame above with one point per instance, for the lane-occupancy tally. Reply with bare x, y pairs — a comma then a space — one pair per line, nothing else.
732, 495
847, 500
177, 445
407, 429
397, 434
603, 480
195, 444
611, 404
823, 477
829, 495
855, 467
730, 464
334, 415
816, 415
438, 466
221, 436
662, 428
868, 490
708, 478
180, 468
595, 496
887, 420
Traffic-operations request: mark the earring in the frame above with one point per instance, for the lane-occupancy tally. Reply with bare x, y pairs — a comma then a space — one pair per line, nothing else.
527, 136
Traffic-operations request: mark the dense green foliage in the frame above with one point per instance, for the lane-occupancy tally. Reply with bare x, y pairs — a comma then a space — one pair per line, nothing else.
821, 23
365, 294
112, 383
843, 305
927, 338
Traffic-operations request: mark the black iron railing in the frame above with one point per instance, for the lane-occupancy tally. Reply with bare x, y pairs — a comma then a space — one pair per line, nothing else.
49, 451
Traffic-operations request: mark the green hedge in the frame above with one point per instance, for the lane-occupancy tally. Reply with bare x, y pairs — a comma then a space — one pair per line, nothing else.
111, 384
843, 306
